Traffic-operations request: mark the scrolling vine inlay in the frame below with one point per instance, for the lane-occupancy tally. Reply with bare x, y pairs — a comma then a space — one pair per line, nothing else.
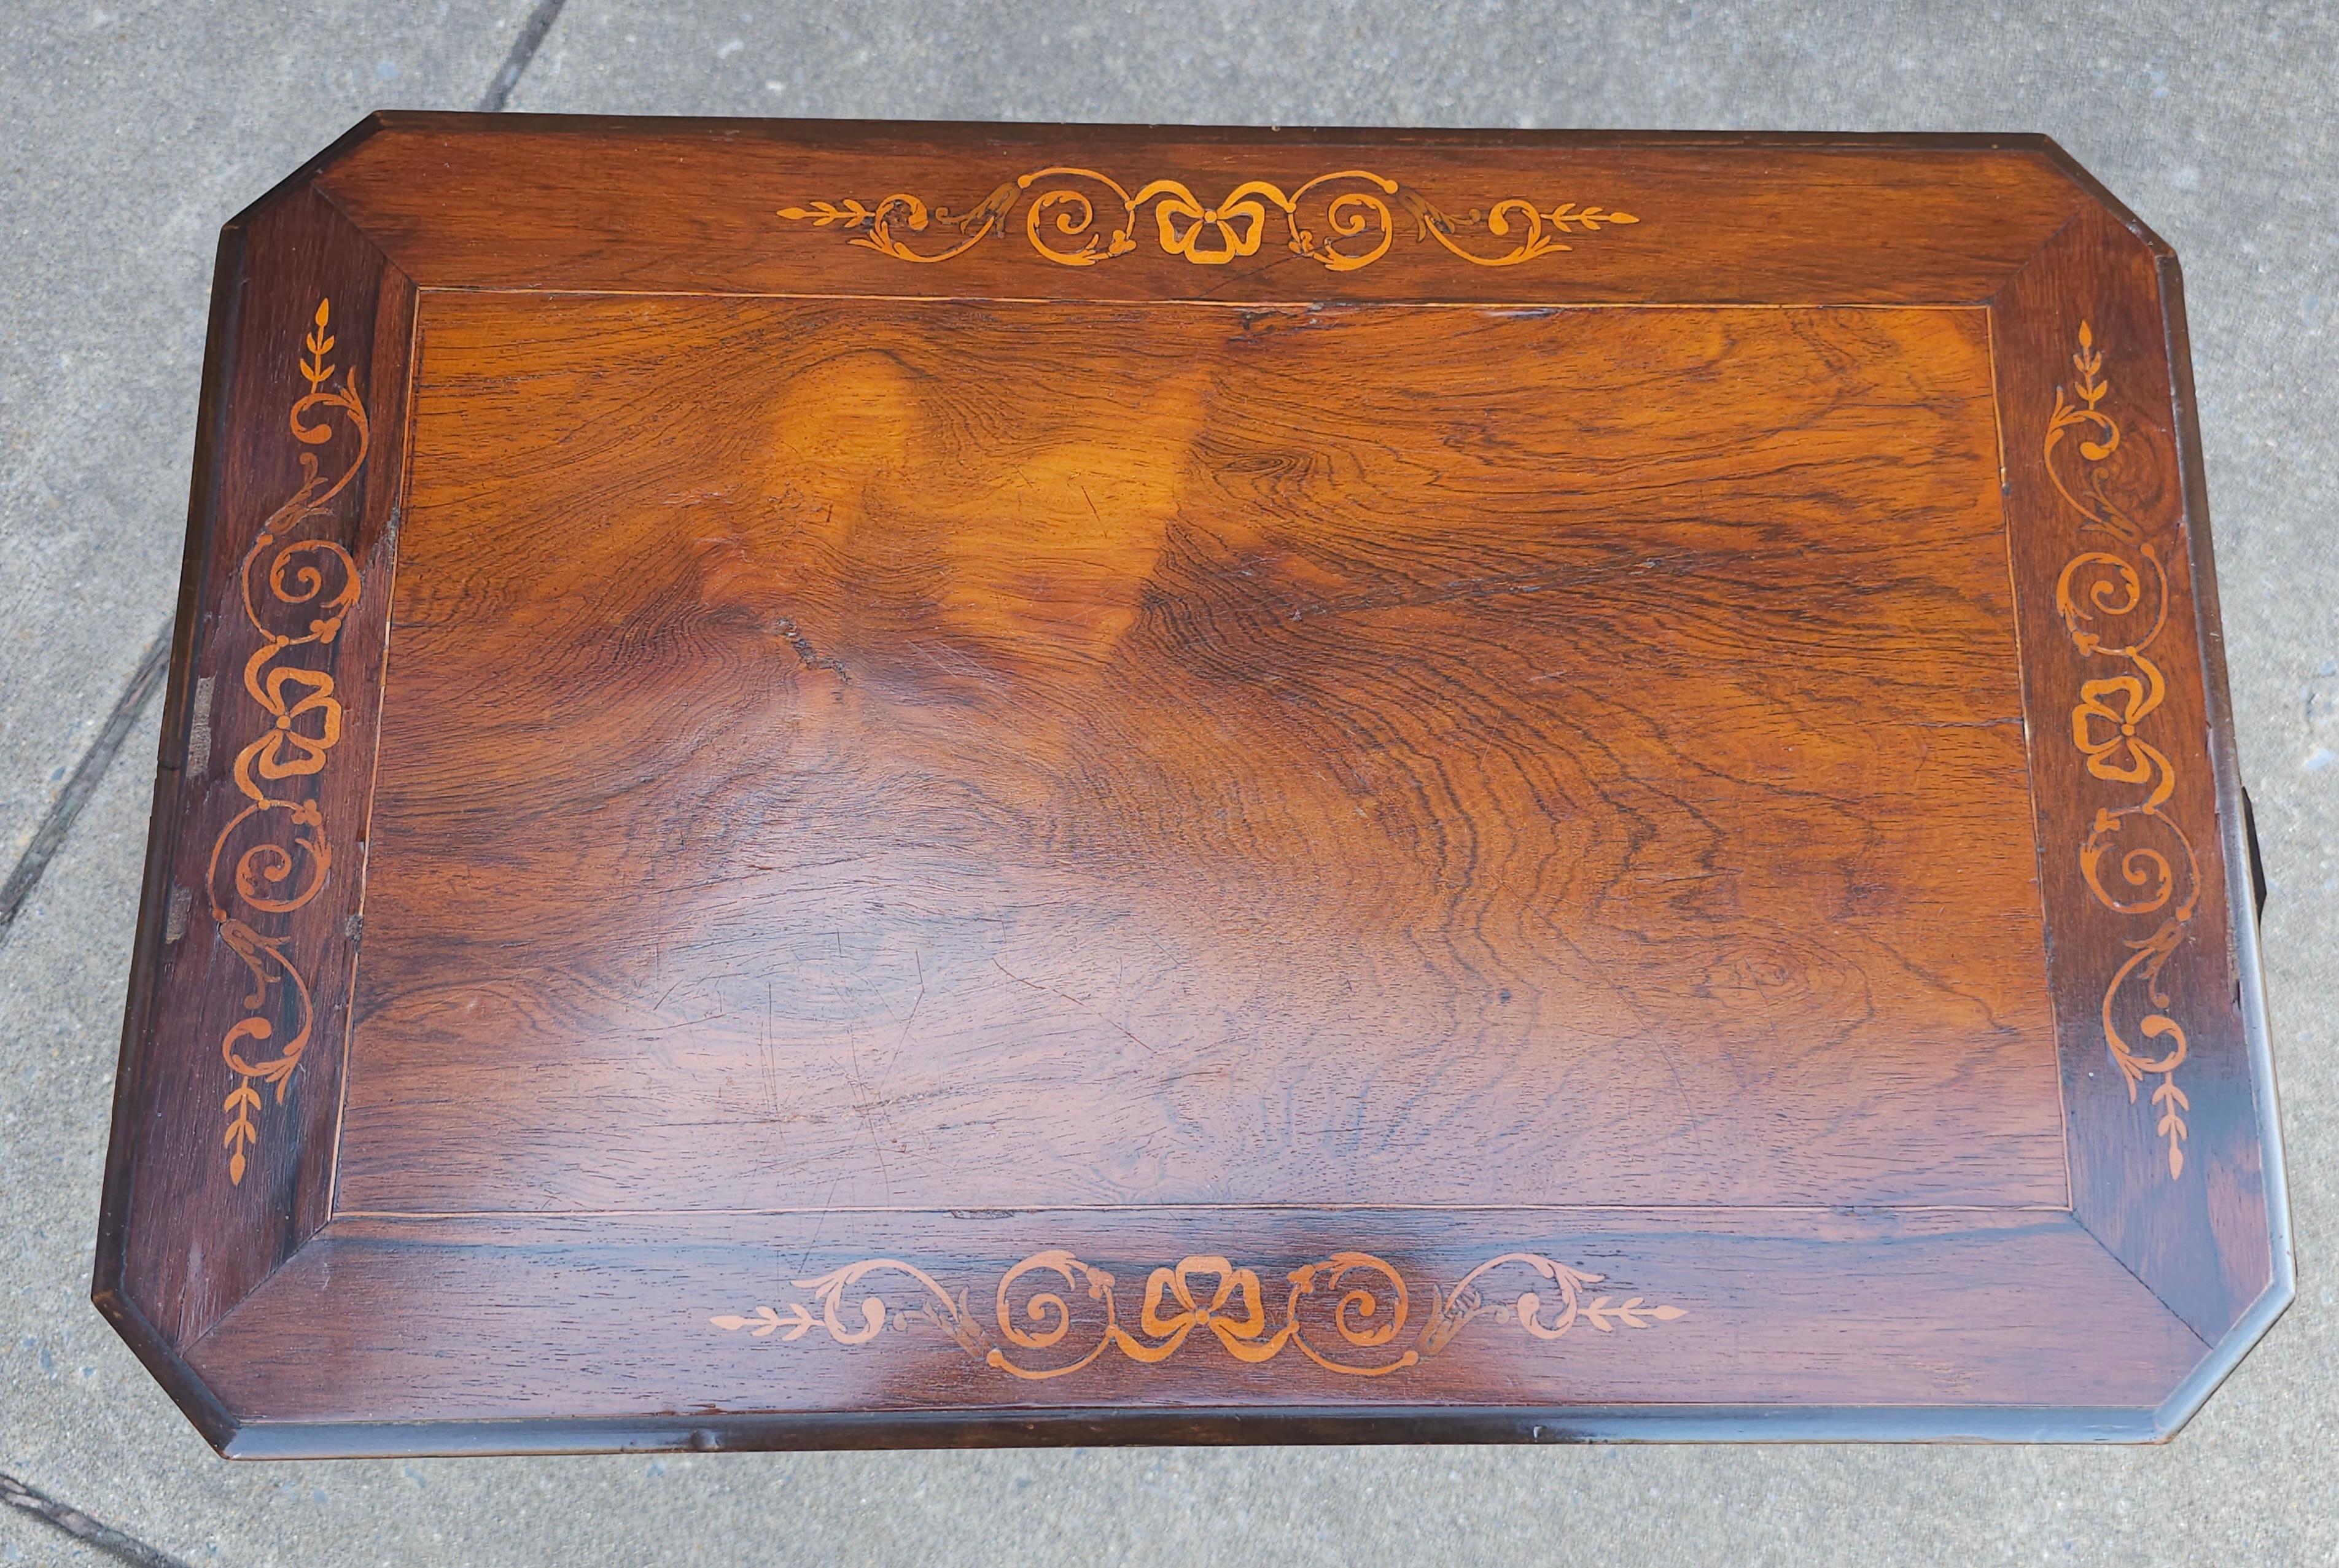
287, 867
1339, 1300
1360, 218
2104, 587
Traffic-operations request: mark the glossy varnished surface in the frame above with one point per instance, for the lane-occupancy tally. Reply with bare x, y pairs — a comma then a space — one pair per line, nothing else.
1376, 756
889, 784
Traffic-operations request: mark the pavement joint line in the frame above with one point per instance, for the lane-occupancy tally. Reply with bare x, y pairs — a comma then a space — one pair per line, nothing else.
32, 1500
523, 50
87, 775
90, 770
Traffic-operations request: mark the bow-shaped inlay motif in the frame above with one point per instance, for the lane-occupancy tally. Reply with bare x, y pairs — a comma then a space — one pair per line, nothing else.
1341, 221
2102, 594
1346, 1312
316, 581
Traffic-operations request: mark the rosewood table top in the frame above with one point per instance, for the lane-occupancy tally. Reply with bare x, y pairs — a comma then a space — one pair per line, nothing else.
853, 785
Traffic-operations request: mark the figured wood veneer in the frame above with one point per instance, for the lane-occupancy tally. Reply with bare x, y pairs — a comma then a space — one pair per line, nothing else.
1261, 785
1158, 736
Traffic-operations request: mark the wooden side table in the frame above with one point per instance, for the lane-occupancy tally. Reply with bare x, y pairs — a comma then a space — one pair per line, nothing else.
855, 785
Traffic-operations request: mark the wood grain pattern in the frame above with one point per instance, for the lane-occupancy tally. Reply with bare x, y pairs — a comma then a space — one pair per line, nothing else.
1200, 821
1152, 736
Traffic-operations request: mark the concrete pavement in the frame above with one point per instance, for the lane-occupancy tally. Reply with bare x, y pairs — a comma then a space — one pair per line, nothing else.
133, 131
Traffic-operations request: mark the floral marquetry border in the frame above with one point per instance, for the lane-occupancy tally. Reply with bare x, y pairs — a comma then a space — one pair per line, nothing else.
1068, 218
2136, 861
1348, 1313
273, 856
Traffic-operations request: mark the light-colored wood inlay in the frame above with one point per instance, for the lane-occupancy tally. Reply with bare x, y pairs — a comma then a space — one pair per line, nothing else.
316, 580
1355, 1306
1361, 214
2106, 586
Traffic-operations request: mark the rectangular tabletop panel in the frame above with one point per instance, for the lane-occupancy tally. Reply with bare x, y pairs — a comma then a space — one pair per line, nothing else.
1365, 756
859, 784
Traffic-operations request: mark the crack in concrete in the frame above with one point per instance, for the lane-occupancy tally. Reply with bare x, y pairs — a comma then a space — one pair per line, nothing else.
28, 1499
87, 775
523, 50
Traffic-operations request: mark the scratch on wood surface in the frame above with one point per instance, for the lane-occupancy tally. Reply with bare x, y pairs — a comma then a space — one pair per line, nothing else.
1076, 1001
